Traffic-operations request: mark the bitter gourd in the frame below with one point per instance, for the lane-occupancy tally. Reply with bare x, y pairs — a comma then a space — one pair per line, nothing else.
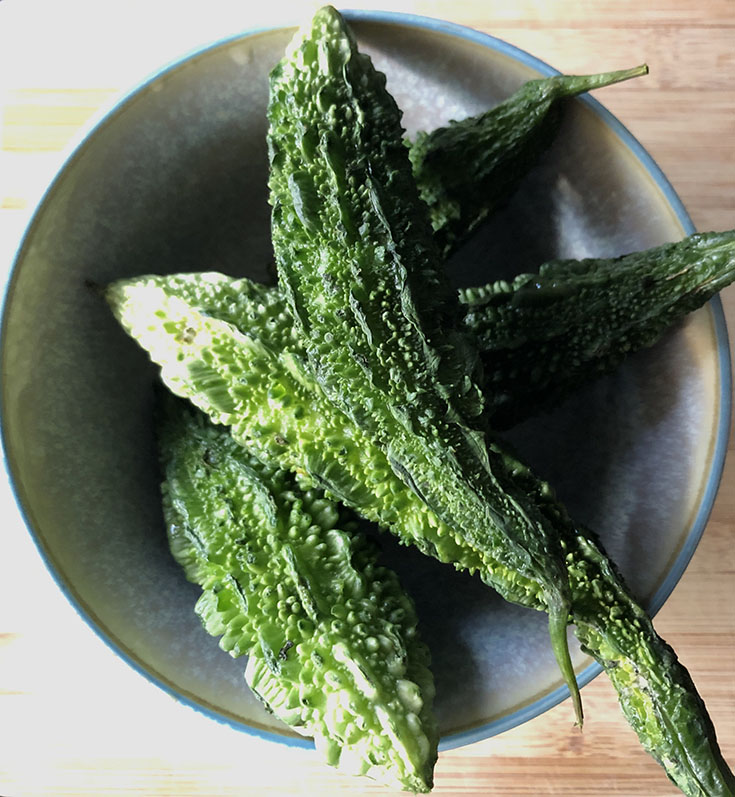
188, 324
275, 409
468, 169
287, 579
655, 691
356, 259
543, 335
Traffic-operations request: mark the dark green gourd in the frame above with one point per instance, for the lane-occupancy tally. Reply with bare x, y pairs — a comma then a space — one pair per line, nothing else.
357, 261
468, 169
288, 580
655, 691
543, 335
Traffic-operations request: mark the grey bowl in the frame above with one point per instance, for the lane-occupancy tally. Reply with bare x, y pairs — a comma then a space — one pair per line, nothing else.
174, 179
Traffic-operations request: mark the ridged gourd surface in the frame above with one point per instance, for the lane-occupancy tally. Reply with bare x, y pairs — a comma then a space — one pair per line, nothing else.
543, 335
356, 258
288, 580
655, 691
275, 408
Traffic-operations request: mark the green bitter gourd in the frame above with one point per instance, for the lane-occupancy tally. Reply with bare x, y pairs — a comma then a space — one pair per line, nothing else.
275, 409
287, 579
543, 335
468, 169
638, 660
356, 259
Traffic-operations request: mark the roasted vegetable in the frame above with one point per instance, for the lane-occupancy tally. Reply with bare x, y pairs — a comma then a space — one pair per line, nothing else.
543, 335
287, 579
467, 170
356, 259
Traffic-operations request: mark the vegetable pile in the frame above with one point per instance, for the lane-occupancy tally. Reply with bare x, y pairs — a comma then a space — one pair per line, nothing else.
363, 383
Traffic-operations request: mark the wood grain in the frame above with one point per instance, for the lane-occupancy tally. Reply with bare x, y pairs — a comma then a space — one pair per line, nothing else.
74, 720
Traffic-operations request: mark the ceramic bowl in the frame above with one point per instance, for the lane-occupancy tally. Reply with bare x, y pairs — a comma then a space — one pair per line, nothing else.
174, 179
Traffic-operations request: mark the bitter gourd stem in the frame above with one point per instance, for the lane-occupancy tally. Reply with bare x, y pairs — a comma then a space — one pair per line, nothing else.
558, 622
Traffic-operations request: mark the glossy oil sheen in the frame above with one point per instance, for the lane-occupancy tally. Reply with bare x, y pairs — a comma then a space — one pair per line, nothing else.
175, 180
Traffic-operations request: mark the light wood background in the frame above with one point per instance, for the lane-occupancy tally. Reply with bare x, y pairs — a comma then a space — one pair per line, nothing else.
74, 720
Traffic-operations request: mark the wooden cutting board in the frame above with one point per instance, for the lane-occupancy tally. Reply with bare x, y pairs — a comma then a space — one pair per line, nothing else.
74, 720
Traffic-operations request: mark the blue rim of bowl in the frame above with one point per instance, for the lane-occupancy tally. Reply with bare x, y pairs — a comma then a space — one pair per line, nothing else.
717, 460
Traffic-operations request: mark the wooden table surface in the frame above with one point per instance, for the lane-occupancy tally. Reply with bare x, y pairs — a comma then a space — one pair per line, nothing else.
74, 719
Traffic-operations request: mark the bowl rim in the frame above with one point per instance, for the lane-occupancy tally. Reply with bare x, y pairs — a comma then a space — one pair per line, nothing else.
716, 463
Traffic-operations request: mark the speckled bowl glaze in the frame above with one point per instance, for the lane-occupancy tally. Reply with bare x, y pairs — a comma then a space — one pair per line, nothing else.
174, 179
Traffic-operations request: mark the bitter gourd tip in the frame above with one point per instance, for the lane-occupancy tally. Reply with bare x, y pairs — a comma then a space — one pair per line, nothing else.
572, 85
558, 620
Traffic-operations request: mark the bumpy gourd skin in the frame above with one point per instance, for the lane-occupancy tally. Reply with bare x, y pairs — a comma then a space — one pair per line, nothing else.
206, 358
467, 170
287, 579
277, 411
540, 336
687, 749
656, 693
357, 261
543, 335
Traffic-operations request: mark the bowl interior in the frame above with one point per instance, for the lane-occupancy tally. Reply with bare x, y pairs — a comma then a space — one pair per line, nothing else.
175, 180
